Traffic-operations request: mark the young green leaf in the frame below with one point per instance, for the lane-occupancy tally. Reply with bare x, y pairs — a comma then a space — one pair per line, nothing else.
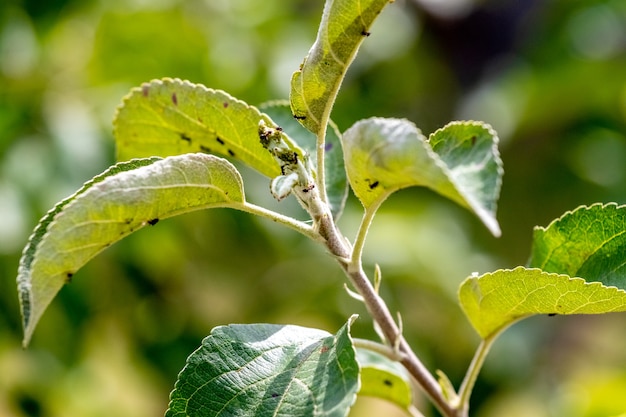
588, 242
336, 180
459, 161
384, 378
344, 26
268, 370
123, 199
496, 300
172, 117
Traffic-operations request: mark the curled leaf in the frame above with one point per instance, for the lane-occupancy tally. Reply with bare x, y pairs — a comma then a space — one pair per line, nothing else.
125, 198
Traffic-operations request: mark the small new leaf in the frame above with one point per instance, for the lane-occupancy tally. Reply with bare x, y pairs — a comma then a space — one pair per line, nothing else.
344, 26
336, 180
496, 300
589, 242
125, 198
268, 370
459, 161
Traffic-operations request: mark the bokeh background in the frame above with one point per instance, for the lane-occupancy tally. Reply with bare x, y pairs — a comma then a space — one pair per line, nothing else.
550, 76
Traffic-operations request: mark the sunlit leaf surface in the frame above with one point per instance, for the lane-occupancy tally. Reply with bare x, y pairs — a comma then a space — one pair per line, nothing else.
125, 198
589, 242
495, 300
172, 117
268, 370
344, 26
459, 161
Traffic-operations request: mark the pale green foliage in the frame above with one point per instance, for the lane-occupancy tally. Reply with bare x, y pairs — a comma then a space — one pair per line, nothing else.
118, 202
344, 26
269, 370
495, 300
172, 117
460, 162
384, 378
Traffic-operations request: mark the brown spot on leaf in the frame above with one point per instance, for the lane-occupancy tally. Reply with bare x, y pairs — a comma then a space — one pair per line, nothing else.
226, 104
145, 89
219, 140
152, 222
183, 136
297, 117
205, 149
174, 99
231, 153
68, 277
365, 33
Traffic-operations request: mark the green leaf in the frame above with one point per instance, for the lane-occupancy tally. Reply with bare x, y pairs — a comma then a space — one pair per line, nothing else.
384, 378
459, 161
495, 300
268, 370
344, 26
588, 242
123, 199
336, 180
172, 117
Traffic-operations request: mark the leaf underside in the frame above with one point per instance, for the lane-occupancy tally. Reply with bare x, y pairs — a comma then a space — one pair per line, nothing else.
496, 300
344, 26
125, 198
268, 370
173, 117
459, 161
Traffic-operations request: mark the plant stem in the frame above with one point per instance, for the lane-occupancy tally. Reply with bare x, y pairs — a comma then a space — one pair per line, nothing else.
320, 155
298, 226
473, 370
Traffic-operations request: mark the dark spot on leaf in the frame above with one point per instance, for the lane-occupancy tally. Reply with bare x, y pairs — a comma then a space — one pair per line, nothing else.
231, 153
551, 314
295, 116
328, 146
184, 137
68, 277
473, 139
174, 99
128, 221
280, 129
205, 149
324, 349
365, 33
225, 104
152, 222
200, 120
388, 383
308, 188
219, 140
145, 89
372, 184
274, 395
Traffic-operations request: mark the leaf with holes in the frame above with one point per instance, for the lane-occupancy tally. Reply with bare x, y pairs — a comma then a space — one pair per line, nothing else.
172, 117
336, 180
344, 26
125, 198
496, 300
589, 242
268, 370
459, 161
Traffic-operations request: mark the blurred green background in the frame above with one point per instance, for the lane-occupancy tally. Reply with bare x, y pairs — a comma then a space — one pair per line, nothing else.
549, 76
